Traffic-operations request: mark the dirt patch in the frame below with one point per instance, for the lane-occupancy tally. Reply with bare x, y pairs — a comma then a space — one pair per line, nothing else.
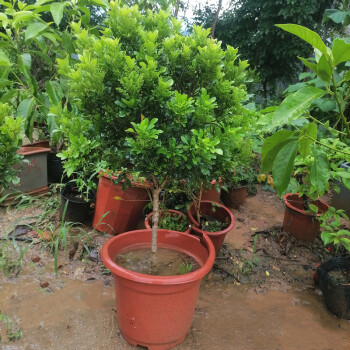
260, 293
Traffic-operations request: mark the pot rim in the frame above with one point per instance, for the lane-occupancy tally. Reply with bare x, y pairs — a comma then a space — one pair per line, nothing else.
144, 184
218, 233
27, 151
160, 280
301, 211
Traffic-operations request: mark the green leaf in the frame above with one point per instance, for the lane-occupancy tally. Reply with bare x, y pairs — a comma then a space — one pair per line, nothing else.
283, 166
4, 60
319, 174
4, 82
54, 91
304, 141
306, 34
340, 51
56, 10
308, 64
293, 106
8, 95
34, 29
3, 19
272, 145
336, 16
324, 70
24, 64
25, 108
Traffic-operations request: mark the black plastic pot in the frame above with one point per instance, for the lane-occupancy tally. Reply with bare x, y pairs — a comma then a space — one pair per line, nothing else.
337, 296
341, 200
55, 169
78, 210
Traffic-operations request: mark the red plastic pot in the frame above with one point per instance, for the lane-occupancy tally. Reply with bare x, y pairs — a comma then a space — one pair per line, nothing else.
220, 213
212, 194
235, 197
156, 311
124, 208
302, 225
148, 220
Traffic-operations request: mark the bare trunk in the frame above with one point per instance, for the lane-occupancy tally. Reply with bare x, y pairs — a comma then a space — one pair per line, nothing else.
325, 33
177, 8
213, 26
155, 219
198, 205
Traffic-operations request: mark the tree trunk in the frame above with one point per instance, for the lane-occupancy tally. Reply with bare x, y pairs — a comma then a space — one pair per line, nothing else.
155, 219
177, 8
213, 26
325, 33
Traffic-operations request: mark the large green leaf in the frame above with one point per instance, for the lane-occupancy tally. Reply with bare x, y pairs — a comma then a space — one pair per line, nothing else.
308, 64
293, 106
304, 141
306, 34
272, 145
324, 70
25, 108
6, 97
34, 29
4, 60
340, 51
56, 10
283, 166
53, 89
24, 64
319, 174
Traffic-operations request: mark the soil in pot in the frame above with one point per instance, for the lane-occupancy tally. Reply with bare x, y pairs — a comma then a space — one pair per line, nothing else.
211, 224
169, 220
169, 262
78, 207
340, 276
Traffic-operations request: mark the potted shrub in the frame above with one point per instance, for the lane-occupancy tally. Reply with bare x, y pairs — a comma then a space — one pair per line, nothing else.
179, 118
311, 155
334, 275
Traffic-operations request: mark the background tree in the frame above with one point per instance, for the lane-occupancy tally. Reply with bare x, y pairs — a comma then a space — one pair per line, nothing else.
249, 25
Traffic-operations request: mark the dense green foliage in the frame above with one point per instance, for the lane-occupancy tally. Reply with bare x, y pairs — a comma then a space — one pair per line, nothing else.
10, 140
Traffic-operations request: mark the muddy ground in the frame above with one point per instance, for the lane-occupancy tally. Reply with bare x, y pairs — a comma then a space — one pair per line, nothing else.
260, 293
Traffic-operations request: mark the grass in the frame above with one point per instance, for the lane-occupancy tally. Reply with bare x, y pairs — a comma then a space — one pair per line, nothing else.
11, 333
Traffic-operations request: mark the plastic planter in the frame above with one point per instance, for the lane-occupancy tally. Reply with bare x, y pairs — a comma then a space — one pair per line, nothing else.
32, 173
156, 311
77, 210
337, 296
302, 225
148, 220
341, 200
214, 210
212, 194
235, 197
118, 211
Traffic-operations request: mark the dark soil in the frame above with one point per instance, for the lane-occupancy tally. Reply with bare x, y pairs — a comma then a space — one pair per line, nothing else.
210, 224
339, 276
168, 262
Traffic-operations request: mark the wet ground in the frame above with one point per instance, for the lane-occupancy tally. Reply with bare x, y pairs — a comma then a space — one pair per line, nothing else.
259, 295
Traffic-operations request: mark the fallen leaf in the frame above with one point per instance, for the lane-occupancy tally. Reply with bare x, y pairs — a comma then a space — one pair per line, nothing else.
44, 284
267, 273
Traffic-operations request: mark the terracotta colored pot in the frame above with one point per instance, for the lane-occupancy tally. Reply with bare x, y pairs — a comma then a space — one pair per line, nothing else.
212, 194
302, 225
221, 213
148, 220
42, 143
122, 214
235, 197
156, 311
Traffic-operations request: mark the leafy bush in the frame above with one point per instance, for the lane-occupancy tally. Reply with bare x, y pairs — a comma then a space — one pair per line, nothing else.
10, 141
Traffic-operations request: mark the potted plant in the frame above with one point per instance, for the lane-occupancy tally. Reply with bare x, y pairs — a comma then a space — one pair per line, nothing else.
333, 275
179, 118
311, 155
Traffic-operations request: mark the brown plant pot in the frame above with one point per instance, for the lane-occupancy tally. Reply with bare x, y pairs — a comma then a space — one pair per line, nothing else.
149, 217
235, 197
302, 225
212, 194
156, 311
221, 213
118, 211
